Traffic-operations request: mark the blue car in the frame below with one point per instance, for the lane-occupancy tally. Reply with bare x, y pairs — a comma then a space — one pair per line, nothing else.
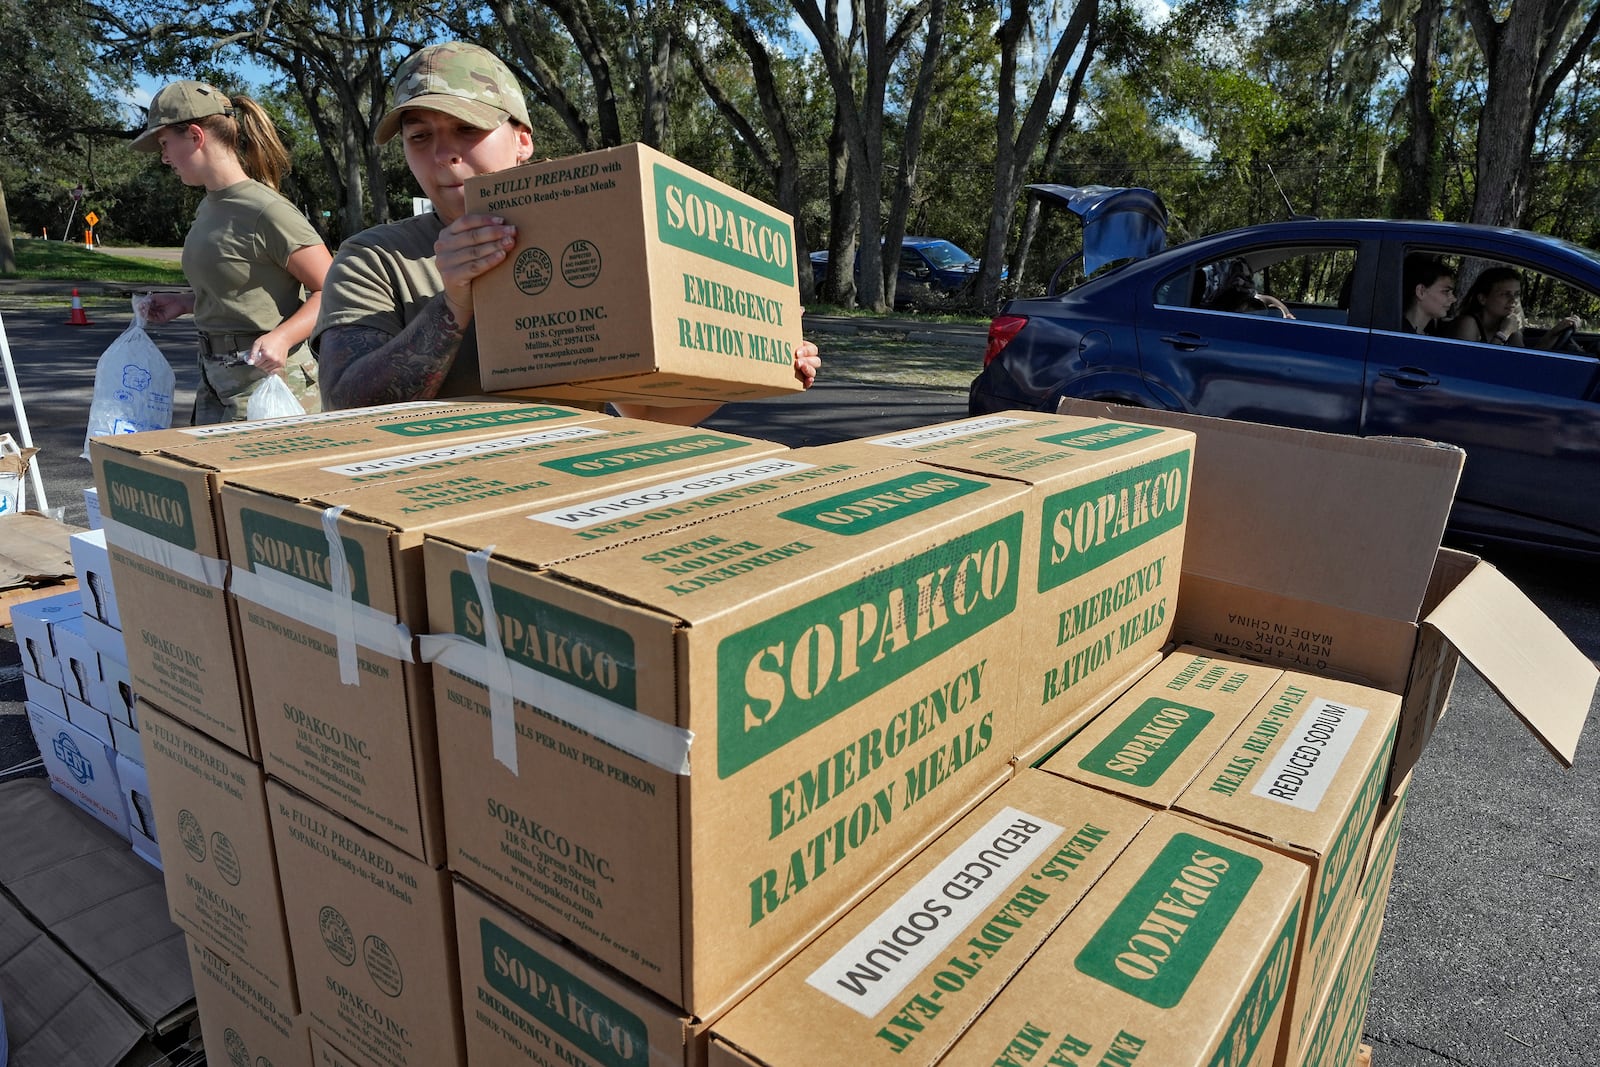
931, 270
1303, 324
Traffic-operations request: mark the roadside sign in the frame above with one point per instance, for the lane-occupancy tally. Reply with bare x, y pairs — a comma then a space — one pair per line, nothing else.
92, 219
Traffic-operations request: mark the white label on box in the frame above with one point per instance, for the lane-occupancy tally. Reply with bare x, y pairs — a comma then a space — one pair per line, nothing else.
1309, 760
932, 434
223, 429
650, 497
913, 932
364, 468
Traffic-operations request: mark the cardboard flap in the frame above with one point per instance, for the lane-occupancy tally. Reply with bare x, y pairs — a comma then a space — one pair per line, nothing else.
104, 905
55, 1012
1350, 522
1522, 655
37, 549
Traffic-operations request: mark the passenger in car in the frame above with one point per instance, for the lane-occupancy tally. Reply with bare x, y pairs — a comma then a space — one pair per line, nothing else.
1430, 286
1492, 312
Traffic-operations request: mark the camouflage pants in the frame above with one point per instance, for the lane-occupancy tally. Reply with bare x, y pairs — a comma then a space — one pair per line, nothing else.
226, 382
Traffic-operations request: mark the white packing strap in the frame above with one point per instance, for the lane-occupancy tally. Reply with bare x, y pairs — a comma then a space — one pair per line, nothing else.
297, 598
344, 597
207, 570
660, 744
496, 668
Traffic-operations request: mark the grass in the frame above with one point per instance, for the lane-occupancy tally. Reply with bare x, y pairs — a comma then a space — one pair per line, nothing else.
39, 260
869, 359
920, 314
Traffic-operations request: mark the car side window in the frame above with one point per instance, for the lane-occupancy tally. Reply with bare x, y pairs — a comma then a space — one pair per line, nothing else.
1306, 284
1511, 303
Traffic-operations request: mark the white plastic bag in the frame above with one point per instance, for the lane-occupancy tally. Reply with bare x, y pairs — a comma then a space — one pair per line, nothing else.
133, 384
272, 400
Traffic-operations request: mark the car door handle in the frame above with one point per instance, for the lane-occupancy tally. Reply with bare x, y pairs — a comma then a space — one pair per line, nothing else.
1410, 377
1186, 341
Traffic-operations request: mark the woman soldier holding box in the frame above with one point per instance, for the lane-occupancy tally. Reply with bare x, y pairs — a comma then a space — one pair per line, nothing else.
397, 321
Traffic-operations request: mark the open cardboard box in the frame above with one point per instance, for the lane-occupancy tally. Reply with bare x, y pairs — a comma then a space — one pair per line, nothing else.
1320, 552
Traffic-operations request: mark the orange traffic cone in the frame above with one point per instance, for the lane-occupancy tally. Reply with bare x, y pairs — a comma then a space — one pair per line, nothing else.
78, 318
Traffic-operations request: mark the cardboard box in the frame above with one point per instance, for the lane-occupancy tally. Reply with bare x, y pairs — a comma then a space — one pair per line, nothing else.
374, 939
345, 710
241, 1021
222, 873
142, 833
1151, 743
898, 978
1103, 551
1305, 774
528, 997
325, 1054
1179, 956
32, 622
1340, 1014
91, 504
843, 660
158, 492
82, 768
92, 564
635, 277
1278, 566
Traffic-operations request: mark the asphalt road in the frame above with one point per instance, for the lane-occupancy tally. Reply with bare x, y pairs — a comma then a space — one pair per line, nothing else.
1488, 955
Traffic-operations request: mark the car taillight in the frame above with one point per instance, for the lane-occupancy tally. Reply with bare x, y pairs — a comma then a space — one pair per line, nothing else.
1001, 330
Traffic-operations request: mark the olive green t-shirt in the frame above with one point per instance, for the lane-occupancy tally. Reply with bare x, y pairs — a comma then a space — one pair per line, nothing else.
236, 257
381, 280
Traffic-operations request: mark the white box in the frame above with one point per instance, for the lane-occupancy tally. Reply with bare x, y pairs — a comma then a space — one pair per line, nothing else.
127, 741
120, 696
91, 503
79, 662
141, 816
92, 565
42, 693
90, 719
32, 622
82, 769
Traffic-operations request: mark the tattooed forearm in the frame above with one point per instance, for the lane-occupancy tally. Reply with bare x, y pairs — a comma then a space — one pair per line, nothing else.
361, 367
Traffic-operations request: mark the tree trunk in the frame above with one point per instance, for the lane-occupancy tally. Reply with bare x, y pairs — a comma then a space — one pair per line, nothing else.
8, 247
1015, 142
1528, 56
911, 150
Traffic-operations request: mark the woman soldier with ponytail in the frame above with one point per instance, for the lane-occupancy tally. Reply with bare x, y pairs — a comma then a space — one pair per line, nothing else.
254, 262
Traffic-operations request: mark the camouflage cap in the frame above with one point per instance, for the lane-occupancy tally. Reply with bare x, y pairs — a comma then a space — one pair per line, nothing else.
461, 80
177, 103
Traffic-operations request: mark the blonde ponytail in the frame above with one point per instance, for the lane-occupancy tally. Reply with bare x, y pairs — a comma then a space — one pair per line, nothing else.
249, 132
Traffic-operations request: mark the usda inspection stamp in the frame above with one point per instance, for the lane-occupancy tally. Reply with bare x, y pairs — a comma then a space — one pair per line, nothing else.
533, 271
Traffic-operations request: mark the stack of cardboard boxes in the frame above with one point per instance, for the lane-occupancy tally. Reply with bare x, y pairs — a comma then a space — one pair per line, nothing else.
503, 733
511, 734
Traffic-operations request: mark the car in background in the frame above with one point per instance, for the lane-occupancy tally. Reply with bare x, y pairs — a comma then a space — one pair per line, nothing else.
932, 270
1153, 332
